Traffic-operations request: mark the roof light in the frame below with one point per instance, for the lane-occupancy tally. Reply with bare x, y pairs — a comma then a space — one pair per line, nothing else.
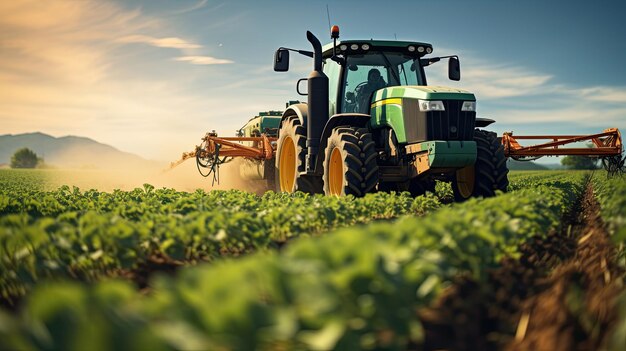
429, 50
334, 32
411, 48
354, 46
343, 47
420, 49
365, 46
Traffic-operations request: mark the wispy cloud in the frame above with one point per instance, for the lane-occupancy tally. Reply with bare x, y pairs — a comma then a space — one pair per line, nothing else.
200, 4
502, 82
62, 40
185, 46
172, 42
604, 94
203, 60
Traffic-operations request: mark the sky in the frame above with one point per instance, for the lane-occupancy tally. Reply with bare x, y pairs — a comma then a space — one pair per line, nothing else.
152, 76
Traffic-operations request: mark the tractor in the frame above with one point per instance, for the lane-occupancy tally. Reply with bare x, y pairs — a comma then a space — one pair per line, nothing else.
372, 122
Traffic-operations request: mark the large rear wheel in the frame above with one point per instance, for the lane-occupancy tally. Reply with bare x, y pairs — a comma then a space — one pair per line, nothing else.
350, 166
488, 175
290, 160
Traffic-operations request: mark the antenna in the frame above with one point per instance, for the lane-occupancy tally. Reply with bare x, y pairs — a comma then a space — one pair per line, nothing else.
328, 15
395, 36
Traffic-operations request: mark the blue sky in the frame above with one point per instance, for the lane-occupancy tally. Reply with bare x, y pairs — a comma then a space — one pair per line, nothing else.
151, 76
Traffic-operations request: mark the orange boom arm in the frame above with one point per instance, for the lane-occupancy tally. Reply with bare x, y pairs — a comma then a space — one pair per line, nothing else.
605, 144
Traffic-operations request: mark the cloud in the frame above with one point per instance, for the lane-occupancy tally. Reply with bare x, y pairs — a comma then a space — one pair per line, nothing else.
491, 81
172, 42
203, 60
176, 43
200, 4
45, 41
604, 94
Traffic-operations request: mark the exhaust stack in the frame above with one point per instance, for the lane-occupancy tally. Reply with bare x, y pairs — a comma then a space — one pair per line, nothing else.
317, 103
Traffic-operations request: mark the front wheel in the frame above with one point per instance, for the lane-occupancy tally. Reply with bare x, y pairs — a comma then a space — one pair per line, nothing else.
488, 175
350, 166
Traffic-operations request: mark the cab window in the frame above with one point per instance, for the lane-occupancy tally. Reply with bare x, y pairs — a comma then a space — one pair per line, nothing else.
331, 70
367, 73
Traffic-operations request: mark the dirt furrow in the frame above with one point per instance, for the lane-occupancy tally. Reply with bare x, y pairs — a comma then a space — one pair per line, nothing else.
577, 309
557, 296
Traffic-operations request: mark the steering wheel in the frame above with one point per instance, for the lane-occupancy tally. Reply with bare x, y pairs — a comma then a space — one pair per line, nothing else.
358, 88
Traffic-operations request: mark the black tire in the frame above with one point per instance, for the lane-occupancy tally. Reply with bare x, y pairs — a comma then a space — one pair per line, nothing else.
357, 153
292, 129
490, 170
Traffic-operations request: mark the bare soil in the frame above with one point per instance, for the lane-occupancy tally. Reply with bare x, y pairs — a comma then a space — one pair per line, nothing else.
560, 295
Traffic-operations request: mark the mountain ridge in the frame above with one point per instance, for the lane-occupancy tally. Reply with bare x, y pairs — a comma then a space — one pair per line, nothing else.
70, 151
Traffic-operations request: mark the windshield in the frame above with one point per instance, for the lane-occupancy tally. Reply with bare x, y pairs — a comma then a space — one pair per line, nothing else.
370, 72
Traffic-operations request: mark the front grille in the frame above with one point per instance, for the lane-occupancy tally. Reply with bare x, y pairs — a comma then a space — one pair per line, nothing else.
451, 124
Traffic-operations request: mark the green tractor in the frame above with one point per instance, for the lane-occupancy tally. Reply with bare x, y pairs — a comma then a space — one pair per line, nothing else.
371, 122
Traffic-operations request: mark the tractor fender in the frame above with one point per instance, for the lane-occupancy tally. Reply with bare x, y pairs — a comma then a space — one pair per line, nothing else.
342, 119
483, 122
301, 110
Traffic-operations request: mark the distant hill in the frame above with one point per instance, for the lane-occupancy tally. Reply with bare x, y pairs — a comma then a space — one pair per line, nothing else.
525, 166
70, 152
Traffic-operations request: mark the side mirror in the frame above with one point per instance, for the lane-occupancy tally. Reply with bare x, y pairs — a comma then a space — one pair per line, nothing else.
281, 60
298, 86
454, 68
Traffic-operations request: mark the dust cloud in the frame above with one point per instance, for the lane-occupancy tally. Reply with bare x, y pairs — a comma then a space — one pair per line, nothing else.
184, 177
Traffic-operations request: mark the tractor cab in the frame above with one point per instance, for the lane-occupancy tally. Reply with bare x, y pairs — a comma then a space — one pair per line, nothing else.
356, 69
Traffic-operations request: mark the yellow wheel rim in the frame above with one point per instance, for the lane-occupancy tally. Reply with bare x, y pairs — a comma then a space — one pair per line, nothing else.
287, 165
465, 181
335, 173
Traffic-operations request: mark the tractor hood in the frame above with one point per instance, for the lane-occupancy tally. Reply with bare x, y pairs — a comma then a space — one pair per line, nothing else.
426, 92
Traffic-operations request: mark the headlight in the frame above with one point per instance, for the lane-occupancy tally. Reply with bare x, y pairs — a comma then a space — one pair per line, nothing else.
469, 106
431, 105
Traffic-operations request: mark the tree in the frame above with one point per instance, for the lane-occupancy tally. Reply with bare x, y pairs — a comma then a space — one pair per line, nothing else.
579, 162
24, 158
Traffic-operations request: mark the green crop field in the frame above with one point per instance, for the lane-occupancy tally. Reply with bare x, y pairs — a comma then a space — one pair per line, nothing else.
161, 269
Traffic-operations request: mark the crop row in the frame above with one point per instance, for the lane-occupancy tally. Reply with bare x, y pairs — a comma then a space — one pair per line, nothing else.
357, 288
611, 194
